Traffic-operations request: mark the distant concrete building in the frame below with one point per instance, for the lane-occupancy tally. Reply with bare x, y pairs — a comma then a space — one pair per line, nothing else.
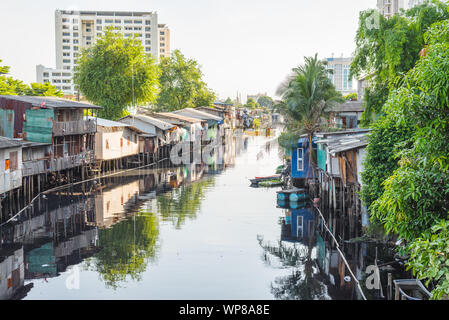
340, 75
75, 30
390, 7
164, 40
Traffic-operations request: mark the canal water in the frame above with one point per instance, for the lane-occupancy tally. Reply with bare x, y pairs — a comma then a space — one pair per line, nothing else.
191, 232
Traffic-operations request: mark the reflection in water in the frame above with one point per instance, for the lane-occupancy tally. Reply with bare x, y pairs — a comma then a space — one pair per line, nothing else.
111, 225
125, 249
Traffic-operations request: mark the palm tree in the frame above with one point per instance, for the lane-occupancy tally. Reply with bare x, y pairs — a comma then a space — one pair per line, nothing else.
306, 95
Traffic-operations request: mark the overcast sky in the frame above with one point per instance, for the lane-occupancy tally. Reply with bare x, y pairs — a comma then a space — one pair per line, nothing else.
245, 46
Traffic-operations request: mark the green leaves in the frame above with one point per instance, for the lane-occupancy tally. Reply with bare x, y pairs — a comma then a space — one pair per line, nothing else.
414, 199
116, 74
11, 86
387, 51
181, 84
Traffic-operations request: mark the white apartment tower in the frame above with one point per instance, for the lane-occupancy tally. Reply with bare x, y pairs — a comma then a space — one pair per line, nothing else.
341, 75
390, 7
75, 30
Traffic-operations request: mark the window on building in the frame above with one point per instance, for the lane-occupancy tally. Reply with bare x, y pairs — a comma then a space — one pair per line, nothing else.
88, 25
88, 30
66, 54
300, 159
138, 21
46, 74
162, 39
66, 34
56, 74
99, 21
148, 22
118, 21
109, 21
65, 20
162, 44
65, 40
66, 47
99, 28
162, 33
148, 35
65, 27
66, 61
137, 28
147, 29
128, 21
139, 35
65, 74
75, 48
75, 27
107, 144
88, 43
98, 34
148, 42
75, 41
65, 68
75, 20
147, 49
128, 28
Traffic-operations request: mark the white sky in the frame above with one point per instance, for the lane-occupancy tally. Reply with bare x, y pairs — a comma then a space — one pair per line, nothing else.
247, 46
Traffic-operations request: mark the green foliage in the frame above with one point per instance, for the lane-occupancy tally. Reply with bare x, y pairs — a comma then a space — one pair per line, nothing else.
386, 139
416, 195
265, 101
116, 73
388, 51
251, 104
351, 97
430, 259
181, 84
229, 101
256, 123
11, 86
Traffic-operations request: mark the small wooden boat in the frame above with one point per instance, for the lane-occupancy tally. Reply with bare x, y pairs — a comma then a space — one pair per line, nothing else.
271, 183
260, 179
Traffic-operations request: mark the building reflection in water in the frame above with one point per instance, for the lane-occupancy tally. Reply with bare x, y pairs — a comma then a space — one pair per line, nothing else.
111, 224
319, 272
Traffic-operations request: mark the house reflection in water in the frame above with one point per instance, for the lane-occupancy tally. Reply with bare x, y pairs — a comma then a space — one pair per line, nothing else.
12, 272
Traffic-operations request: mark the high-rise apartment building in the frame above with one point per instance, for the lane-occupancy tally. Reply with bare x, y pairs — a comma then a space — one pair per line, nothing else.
75, 30
164, 40
390, 7
341, 75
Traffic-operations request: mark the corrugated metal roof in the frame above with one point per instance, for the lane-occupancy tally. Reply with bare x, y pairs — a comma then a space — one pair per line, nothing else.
108, 123
198, 114
347, 143
351, 106
9, 143
143, 123
52, 102
170, 115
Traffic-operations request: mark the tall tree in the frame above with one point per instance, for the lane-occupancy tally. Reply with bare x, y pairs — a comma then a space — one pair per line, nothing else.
415, 200
306, 94
388, 48
181, 84
116, 73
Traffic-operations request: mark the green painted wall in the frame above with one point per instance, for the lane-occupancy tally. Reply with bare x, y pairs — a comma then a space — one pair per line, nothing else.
38, 125
7, 123
322, 156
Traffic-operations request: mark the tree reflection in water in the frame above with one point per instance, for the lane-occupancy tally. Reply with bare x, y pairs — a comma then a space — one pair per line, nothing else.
126, 249
183, 202
304, 283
